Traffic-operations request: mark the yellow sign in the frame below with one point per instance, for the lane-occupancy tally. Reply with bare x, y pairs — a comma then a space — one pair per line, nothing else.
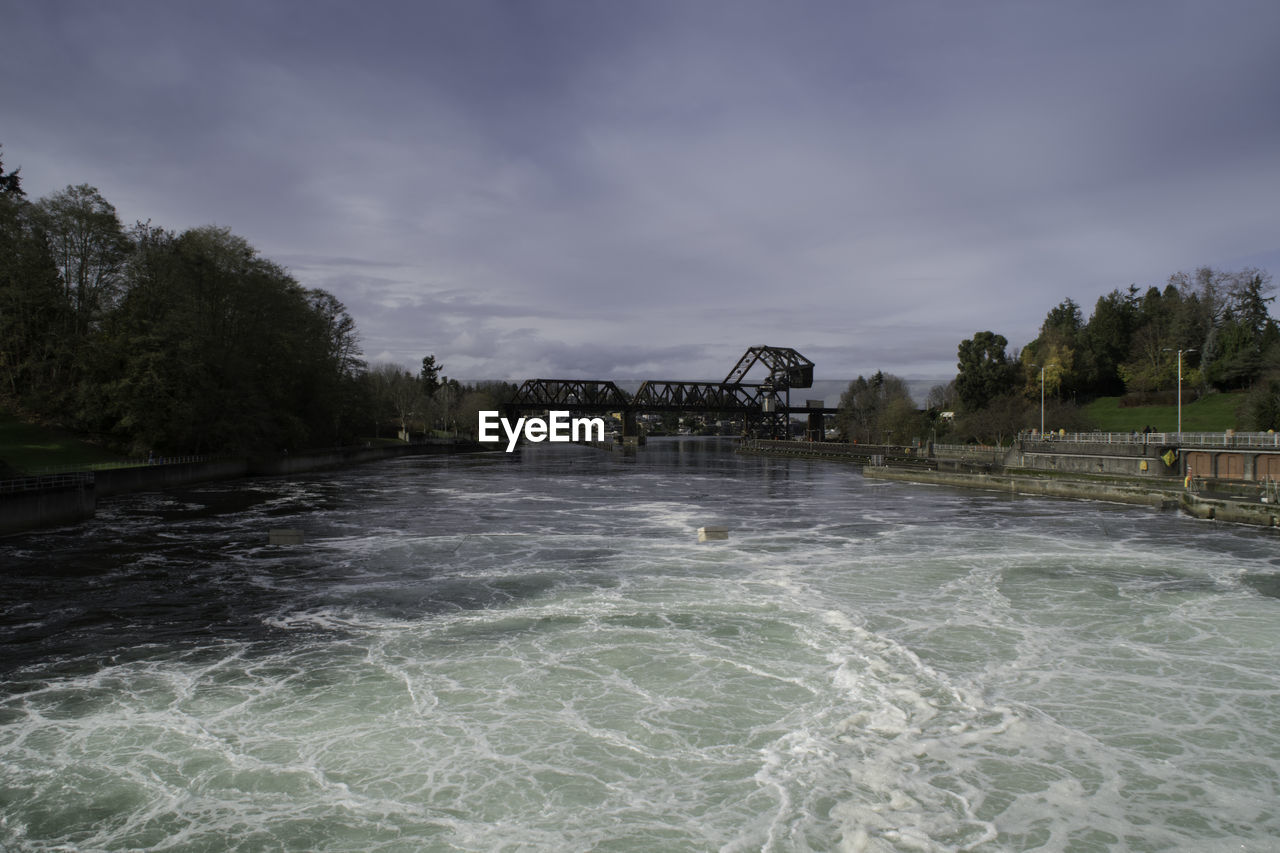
1169, 458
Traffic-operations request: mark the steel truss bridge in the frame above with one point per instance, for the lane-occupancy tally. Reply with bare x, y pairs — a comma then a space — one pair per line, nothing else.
766, 404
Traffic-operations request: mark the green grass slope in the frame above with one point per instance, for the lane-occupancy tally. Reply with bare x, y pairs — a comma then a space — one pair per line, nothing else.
26, 447
1211, 413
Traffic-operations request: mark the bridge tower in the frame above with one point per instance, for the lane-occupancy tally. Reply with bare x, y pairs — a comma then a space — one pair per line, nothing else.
787, 369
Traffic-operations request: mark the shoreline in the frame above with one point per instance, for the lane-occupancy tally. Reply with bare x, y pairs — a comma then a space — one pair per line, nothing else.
1118, 491
1126, 492
33, 503
1164, 493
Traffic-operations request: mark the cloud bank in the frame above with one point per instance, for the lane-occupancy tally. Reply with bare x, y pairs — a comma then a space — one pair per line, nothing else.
645, 190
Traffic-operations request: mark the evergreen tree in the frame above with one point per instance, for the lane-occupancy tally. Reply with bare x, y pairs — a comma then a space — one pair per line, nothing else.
429, 376
986, 371
31, 315
1056, 352
1105, 342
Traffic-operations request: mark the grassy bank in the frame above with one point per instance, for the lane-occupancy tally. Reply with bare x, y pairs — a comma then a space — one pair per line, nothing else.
1211, 413
27, 447
31, 448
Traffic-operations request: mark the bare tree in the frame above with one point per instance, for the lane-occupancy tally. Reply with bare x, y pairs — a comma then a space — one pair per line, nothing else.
89, 247
397, 393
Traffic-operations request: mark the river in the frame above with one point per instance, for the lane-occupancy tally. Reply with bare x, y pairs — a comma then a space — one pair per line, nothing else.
532, 651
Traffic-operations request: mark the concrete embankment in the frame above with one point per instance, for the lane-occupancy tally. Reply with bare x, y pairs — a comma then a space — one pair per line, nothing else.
156, 478
1161, 496
1143, 473
35, 502
1235, 511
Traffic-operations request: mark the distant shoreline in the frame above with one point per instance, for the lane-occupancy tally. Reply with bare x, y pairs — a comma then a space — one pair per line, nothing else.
39, 502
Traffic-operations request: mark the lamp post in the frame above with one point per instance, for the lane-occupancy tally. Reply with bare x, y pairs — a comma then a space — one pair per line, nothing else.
1180, 352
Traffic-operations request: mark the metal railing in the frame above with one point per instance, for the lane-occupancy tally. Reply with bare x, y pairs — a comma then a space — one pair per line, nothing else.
968, 448
1182, 439
123, 463
970, 454
46, 482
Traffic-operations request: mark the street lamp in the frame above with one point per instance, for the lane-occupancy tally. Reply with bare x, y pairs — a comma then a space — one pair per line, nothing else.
1180, 352
1041, 399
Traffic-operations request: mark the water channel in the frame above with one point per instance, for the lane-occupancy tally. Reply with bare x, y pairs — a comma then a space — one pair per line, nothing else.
532, 651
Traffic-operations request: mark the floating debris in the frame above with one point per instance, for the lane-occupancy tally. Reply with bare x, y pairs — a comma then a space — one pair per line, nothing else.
284, 536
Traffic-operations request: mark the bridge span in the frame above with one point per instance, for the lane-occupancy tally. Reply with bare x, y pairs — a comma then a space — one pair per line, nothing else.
765, 406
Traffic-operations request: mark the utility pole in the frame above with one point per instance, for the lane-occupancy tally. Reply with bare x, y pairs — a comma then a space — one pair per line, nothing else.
1180, 352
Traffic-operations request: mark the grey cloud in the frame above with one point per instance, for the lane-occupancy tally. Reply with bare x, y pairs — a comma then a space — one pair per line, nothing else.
648, 189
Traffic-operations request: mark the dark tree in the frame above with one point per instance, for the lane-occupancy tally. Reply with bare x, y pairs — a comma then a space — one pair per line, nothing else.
430, 376
876, 408
89, 246
10, 184
215, 349
1105, 343
1262, 408
32, 357
986, 372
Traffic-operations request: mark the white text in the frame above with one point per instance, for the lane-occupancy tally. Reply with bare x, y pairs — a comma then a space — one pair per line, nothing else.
558, 426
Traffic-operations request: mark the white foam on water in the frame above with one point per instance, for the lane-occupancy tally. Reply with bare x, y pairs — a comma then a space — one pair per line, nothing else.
855, 669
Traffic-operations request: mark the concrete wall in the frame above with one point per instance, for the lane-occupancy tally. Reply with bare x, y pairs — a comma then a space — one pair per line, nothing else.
1125, 460
51, 507
300, 462
1239, 512
1157, 494
858, 453
154, 478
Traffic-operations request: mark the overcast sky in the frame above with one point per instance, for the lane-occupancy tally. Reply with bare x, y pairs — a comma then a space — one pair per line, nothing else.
645, 189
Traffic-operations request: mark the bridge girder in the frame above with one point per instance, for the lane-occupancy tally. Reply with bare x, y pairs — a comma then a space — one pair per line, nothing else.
787, 368
594, 395
699, 396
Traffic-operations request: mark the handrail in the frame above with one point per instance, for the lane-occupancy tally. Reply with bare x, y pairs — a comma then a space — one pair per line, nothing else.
45, 482
1180, 439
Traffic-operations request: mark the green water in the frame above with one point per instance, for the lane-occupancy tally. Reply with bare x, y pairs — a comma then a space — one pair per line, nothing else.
534, 653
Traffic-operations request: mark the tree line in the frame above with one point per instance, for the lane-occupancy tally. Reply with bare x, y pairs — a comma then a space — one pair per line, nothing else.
427, 402
1215, 325
191, 342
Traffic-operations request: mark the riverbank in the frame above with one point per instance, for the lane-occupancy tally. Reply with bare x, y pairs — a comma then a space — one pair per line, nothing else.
1114, 490
1213, 507
1141, 474
31, 503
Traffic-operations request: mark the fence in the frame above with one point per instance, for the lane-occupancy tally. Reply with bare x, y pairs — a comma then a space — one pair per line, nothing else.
123, 463
1180, 439
46, 482
983, 453
968, 448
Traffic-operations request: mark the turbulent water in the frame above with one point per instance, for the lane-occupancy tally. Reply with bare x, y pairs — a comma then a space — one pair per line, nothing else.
533, 652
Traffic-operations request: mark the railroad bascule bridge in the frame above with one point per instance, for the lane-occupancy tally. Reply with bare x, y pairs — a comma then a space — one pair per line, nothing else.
764, 406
